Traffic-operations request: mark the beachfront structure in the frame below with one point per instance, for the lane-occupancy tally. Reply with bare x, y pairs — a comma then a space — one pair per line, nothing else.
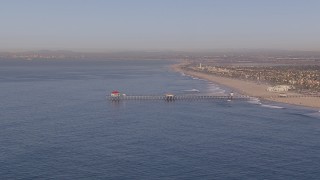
279, 88
231, 95
201, 67
169, 97
115, 94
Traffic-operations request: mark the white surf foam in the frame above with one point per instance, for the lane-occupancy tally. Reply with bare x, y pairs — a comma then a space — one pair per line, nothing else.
213, 88
314, 115
254, 101
191, 90
271, 106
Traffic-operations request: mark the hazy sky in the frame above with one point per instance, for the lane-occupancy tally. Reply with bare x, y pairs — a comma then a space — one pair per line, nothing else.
159, 24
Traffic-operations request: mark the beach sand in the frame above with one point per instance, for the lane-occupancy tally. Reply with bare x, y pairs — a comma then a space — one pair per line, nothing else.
251, 88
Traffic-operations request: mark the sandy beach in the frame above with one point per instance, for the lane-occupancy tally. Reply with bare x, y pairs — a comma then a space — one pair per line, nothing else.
251, 88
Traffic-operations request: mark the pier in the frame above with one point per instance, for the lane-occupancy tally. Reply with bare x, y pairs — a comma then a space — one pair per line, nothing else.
179, 97
116, 96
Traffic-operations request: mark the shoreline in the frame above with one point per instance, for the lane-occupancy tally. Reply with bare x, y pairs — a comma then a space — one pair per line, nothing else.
251, 89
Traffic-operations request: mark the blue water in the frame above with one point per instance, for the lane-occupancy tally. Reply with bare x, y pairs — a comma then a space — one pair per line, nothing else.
56, 123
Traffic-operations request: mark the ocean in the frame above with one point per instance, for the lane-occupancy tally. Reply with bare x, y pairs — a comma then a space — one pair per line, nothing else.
56, 123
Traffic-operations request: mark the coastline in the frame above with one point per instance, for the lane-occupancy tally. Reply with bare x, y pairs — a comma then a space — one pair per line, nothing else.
250, 88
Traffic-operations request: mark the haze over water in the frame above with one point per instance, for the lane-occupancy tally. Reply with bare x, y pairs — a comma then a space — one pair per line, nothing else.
159, 25
57, 123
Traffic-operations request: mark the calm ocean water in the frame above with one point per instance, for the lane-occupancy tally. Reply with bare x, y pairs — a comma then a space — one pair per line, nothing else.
56, 123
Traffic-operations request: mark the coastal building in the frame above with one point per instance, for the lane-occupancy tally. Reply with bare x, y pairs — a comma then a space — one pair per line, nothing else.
201, 67
279, 88
115, 94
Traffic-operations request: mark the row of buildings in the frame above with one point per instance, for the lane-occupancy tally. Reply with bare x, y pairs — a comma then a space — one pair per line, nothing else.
302, 78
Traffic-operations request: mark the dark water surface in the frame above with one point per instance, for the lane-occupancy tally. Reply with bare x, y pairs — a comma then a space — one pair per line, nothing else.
56, 123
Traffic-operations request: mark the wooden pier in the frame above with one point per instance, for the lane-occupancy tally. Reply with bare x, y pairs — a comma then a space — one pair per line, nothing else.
179, 97
171, 97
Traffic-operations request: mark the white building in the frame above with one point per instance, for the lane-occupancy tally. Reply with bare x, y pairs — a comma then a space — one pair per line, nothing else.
201, 67
279, 88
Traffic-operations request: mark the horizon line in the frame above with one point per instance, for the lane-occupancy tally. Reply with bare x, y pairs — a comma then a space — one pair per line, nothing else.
97, 50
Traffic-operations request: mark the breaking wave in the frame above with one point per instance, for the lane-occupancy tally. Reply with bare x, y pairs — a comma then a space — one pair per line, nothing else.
271, 106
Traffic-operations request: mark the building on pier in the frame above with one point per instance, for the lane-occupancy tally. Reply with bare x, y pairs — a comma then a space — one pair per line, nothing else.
231, 96
115, 95
169, 97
